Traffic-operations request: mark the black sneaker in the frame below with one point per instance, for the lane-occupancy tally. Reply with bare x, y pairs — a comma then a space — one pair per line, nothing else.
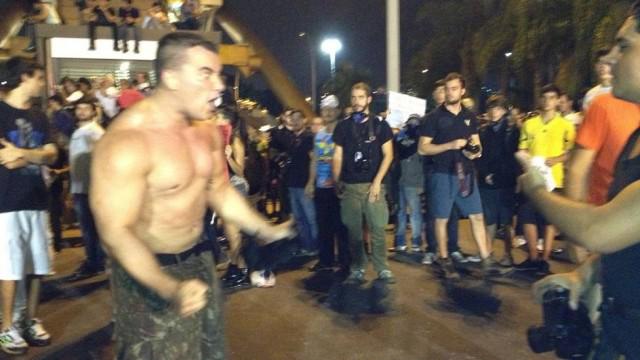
490, 267
85, 271
543, 268
449, 271
527, 265
320, 267
35, 334
236, 278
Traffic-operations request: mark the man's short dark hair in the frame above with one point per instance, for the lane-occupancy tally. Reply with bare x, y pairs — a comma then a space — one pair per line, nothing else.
456, 76
128, 1
551, 88
497, 101
66, 79
362, 86
12, 70
172, 49
57, 98
86, 100
439, 83
84, 81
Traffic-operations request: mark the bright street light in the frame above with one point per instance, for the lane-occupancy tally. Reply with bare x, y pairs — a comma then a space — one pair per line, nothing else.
508, 54
424, 71
331, 47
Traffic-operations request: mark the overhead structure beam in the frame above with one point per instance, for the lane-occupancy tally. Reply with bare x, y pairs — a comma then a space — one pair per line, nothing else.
275, 75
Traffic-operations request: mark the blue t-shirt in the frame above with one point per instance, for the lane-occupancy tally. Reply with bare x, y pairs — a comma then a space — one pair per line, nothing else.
323, 150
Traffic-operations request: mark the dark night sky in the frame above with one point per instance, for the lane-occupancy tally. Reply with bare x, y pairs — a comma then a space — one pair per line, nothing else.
359, 24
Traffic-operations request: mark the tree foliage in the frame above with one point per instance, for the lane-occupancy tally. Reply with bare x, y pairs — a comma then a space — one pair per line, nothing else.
549, 41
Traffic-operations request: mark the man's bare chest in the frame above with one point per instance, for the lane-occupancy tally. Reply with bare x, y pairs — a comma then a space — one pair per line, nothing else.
179, 161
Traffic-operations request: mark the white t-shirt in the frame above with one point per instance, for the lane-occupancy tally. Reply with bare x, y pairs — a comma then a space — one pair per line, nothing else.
80, 148
109, 102
592, 94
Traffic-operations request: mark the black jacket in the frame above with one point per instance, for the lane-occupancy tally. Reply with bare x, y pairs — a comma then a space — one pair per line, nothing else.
499, 145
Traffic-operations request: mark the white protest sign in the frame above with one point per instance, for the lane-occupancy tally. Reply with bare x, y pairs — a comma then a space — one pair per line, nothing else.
402, 106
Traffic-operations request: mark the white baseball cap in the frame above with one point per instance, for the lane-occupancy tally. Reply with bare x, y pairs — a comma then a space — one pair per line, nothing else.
329, 101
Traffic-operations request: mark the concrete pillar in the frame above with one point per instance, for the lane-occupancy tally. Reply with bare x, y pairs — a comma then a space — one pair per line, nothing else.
393, 45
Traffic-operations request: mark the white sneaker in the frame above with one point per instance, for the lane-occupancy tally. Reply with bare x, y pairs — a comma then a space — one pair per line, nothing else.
429, 258
12, 343
519, 241
263, 279
402, 248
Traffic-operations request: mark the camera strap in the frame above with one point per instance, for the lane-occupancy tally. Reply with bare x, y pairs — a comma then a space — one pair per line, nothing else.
360, 142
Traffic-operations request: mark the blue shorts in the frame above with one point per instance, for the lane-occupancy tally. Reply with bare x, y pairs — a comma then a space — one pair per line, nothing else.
444, 192
498, 205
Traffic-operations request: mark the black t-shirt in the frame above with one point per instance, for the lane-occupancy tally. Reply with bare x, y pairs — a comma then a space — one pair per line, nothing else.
297, 148
356, 144
298, 172
620, 275
443, 126
101, 18
23, 188
131, 12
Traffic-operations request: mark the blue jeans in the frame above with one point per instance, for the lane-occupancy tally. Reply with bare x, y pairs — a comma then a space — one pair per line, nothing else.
409, 196
304, 212
95, 256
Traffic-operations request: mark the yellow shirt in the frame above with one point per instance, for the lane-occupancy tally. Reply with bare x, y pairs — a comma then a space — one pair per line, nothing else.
548, 140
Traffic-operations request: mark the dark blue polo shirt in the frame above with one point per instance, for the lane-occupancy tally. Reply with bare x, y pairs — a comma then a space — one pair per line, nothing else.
443, 126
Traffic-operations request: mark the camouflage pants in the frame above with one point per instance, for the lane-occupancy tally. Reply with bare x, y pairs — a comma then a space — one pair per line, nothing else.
148, 327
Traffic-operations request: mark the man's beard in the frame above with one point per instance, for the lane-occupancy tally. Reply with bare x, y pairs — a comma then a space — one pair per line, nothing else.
359, 108
453, 102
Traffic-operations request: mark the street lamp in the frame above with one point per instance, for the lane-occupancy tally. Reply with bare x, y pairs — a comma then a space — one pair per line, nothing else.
331, 47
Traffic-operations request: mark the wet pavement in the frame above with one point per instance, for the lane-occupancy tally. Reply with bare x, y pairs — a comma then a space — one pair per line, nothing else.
310, 316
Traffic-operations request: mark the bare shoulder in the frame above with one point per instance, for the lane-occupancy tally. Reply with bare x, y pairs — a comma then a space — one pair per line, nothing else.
123, 150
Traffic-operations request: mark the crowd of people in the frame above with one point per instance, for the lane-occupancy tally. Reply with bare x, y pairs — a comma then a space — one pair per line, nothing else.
141, 190
124, 21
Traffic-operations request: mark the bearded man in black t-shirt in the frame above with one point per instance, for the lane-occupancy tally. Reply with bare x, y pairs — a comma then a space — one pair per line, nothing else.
363, 154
